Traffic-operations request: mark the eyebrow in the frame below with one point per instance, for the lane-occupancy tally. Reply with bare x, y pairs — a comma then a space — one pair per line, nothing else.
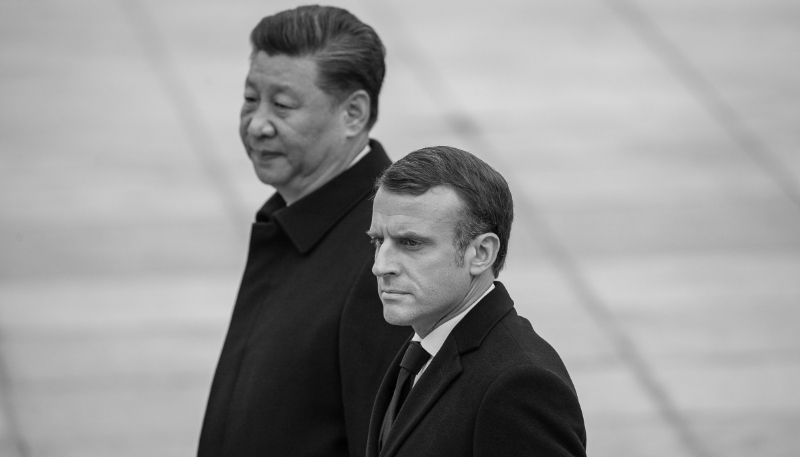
280, 87
402, 234
410, 234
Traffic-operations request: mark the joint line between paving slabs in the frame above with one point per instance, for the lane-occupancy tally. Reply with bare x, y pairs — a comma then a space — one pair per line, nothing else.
16, 442
195, 128
687, 73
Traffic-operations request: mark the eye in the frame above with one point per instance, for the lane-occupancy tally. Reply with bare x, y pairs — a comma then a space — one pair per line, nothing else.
282, 102
376, 241
410, 243
250, 96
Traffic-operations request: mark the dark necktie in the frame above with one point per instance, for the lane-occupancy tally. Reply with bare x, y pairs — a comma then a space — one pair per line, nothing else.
413, 360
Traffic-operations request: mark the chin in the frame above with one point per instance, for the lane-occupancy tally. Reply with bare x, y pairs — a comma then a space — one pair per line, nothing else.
271, 171
269, 177
395, 317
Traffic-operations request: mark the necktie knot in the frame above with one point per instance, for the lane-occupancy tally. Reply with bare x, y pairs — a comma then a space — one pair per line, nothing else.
415, 357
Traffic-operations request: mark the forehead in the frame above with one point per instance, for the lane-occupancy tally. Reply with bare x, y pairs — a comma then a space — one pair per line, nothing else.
436, 209
283, 71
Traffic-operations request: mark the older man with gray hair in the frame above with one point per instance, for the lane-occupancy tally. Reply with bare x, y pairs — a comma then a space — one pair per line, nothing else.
307, 346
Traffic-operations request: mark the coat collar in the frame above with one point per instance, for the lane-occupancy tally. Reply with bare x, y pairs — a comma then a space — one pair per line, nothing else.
470, 332
443, 370
311, 217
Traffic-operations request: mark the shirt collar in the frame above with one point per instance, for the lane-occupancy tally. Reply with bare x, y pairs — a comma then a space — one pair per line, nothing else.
360, 155
311, 217
435, 339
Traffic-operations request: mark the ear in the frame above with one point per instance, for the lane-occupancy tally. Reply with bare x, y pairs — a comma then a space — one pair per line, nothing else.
356, 109
483, 250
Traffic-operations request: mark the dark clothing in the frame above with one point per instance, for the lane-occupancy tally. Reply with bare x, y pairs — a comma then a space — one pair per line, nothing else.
495, 388
307, 344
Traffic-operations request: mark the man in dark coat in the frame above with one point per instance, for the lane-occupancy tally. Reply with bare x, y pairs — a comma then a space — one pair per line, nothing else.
307, 345
475, 379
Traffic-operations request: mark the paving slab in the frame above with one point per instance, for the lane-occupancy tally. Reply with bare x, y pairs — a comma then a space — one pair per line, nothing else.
750, 434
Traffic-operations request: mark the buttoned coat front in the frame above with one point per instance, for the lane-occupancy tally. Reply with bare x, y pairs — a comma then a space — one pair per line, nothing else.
307, 345
494, 389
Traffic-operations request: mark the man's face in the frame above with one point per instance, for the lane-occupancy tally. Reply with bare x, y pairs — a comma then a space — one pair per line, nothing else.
292, 131
419, 281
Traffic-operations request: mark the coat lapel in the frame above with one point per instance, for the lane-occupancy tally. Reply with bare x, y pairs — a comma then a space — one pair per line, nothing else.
443, 371
431, 385
381, 404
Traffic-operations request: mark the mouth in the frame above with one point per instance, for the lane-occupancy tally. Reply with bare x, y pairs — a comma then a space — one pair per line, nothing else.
264, 155
392, 293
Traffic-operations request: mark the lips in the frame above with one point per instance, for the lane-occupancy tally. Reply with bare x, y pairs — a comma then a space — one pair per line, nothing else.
386, 287
392, 294
265, 154
263, 157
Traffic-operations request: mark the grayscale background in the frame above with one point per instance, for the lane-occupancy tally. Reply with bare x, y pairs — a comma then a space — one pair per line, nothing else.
651, 146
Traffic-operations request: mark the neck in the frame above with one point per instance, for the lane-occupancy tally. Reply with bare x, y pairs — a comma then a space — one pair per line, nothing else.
477, 287
293, 193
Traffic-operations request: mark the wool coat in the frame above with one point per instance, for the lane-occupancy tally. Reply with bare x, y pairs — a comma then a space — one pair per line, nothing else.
307, 345
494, 389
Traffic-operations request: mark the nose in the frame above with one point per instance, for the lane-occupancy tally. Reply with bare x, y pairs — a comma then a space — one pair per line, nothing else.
385, 262
260, 123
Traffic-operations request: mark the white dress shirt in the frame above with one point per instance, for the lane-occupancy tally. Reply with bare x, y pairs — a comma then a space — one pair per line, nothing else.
435, 339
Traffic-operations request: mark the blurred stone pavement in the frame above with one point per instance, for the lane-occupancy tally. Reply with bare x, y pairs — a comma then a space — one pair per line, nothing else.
653, 149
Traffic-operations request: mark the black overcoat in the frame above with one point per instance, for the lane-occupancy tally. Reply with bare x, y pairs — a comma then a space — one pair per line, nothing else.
494, 389
307, 345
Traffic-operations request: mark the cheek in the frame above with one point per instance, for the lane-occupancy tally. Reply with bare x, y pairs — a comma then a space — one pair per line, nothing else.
322, 129
243, 123
431, 277
443, 281
308, 156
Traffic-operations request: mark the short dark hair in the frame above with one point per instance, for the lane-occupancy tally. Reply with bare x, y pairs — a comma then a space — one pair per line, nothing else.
487, 203
349, 54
